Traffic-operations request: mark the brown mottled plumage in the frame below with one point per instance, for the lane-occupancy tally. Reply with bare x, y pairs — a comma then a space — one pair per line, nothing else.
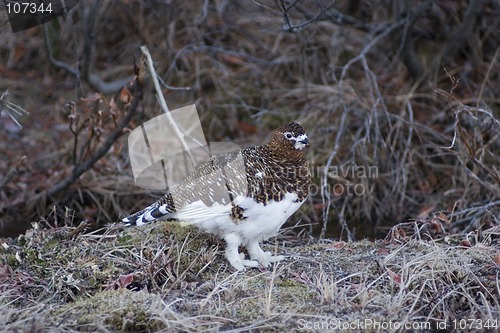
243, 196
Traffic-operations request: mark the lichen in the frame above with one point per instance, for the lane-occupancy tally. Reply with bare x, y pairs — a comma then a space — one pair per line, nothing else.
118, 310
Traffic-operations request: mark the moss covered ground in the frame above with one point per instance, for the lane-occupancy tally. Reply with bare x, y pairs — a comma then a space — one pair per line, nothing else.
167, 277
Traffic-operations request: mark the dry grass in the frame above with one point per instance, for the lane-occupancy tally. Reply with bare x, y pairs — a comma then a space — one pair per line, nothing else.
171, 278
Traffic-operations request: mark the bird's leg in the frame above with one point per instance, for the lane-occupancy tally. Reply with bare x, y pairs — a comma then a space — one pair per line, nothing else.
264, 258
232, 255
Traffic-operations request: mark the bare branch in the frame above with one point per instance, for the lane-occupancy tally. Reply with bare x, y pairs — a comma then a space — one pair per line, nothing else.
8, 177
368, 46
294, 28
163, 104
11, 108
332, 14
486, 77
169, 87
55, 62
285, 15
93, 79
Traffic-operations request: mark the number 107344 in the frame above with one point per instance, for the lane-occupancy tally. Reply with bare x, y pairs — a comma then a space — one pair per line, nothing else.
28, 7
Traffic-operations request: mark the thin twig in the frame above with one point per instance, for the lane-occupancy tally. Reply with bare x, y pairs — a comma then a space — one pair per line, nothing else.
285, 15
332, 14
476, 208
169, 87
487, 76
163, 104
78, 230
309, 21
371, 44
8, 177
55, 62
11, 108
93, 79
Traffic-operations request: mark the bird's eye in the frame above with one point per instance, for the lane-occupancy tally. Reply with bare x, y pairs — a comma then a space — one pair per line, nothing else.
288, 135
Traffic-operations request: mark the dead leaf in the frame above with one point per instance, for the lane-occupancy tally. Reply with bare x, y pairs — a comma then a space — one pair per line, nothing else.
383, 250
443, 218
122, 282
302, 278
246, 127
465, 243
232, 59
396, 278
336, 245
497, 258
425, 211
125, 96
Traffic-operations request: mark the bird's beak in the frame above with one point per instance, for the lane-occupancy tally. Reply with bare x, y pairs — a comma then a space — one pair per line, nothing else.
301, 142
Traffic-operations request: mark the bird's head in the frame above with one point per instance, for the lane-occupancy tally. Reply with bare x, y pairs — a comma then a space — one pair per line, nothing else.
291, 138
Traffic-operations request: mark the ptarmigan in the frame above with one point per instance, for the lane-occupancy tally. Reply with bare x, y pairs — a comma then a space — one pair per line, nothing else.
243, 196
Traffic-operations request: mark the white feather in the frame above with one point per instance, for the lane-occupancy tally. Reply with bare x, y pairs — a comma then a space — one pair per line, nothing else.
163, 209
262, 221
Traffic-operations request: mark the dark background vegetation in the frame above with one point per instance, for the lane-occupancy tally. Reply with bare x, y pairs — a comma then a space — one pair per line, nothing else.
409, 87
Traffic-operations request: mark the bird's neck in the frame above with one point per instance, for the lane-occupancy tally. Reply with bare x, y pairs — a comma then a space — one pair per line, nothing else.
284, 157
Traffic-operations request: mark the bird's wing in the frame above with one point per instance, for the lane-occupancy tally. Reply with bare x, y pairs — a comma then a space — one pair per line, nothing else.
199, 210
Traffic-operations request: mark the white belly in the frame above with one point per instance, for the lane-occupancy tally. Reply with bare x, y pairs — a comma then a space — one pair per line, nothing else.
261, 221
